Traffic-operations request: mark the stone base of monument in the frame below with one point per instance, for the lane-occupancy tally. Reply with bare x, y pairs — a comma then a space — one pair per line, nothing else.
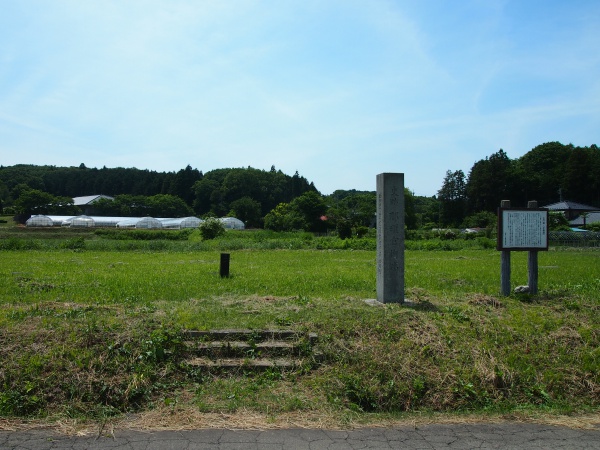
375, 302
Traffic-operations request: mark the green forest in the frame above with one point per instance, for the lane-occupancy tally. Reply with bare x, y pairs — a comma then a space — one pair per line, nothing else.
272, 199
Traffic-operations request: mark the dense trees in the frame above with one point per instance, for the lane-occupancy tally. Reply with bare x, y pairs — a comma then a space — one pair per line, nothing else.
80, 181
33, 201
181, 184
427, 212
247, 210
452, 196
356, 208
541, 171
221, 190
247, 191
490, 181
548, 173
306, 212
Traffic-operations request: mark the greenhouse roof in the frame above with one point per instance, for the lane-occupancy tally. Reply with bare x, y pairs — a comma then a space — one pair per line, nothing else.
181, 222
232, 223
79, 221
39, 220
140, 222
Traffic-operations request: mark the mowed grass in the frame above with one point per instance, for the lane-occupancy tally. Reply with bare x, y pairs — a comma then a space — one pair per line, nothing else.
114, 277
177, 280
96, 333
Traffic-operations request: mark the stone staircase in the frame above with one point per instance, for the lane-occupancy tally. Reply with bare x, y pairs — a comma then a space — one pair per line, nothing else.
251, 350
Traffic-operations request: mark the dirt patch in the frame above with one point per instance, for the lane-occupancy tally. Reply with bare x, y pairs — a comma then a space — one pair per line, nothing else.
485, 300
183, 418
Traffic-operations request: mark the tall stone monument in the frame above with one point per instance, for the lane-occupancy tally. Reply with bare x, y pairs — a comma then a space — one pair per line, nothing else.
390, 237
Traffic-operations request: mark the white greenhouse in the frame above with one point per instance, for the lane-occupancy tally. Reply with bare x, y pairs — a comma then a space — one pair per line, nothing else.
149, 223
144, 222
105, 221
79, 222
181, 222
232, 223
39, 220
126, 222
58, 220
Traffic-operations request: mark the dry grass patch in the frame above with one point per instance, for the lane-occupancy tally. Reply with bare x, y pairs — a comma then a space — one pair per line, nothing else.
485, 300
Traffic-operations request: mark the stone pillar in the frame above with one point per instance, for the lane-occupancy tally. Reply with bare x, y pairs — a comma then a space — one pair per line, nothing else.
504, 260
390, 237
532, 261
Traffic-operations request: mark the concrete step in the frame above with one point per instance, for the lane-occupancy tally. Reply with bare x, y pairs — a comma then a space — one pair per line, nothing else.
242, 363
255, 350
221, 349
248, 335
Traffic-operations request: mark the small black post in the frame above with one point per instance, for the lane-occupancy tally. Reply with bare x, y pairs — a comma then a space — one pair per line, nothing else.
224, 269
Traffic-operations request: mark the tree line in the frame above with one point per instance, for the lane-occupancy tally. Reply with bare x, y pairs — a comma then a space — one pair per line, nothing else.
274, 200
246, 193
549, 173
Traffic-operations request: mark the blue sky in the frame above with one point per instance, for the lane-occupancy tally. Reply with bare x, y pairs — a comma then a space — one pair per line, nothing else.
338, 90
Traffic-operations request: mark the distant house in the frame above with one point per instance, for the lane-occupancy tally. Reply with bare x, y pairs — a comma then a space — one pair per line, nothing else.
571, 210
86, 202
586, 219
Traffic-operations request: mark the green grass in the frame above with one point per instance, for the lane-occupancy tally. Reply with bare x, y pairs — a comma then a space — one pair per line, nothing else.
113, 277
90, 333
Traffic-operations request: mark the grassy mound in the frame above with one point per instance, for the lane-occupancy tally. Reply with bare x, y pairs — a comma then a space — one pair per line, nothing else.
91, 334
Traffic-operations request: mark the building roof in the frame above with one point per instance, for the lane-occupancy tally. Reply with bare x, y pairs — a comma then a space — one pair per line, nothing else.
89, 199
567, 205
591, 217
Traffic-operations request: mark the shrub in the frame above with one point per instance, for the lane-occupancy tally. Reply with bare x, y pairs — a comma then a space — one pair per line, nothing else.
77, 243
211, 228
558, 221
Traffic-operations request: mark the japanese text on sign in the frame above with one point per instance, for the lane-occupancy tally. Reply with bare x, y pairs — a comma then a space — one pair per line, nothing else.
522, 229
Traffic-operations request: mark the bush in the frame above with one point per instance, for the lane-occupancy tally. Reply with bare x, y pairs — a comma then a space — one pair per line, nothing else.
77, 243
211, 228
558, 221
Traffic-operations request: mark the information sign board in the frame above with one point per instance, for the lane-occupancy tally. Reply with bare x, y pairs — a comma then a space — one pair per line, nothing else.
522, 229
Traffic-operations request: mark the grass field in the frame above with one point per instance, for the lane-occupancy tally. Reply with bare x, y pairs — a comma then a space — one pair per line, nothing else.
90, 334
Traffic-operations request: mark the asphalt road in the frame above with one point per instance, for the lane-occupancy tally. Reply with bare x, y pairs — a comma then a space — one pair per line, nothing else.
446, 436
